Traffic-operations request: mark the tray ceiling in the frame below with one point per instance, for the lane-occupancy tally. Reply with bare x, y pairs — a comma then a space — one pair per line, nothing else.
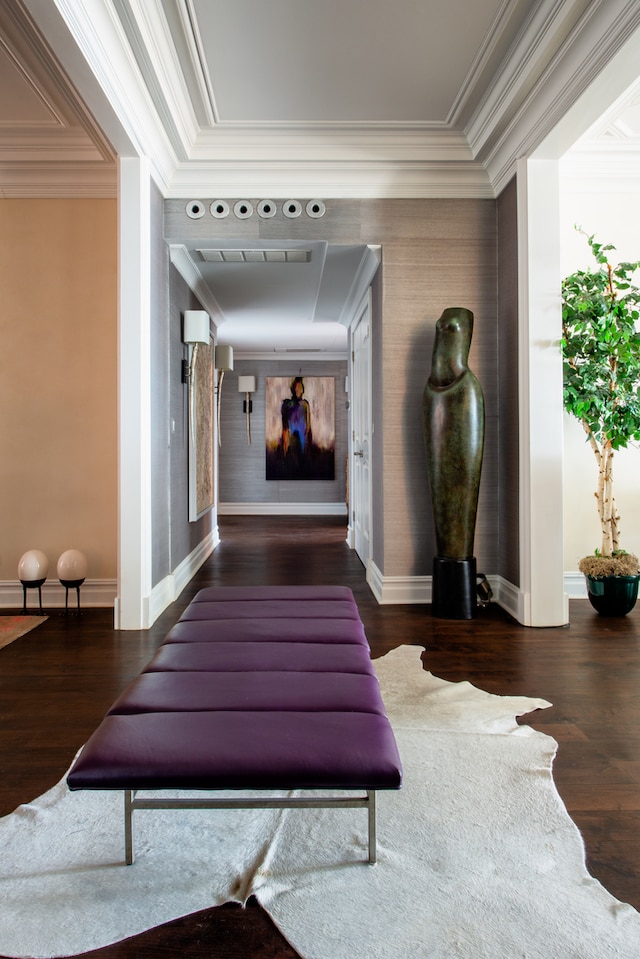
289, 98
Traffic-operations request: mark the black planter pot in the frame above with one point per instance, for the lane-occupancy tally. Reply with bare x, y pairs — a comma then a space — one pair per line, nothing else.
613, 595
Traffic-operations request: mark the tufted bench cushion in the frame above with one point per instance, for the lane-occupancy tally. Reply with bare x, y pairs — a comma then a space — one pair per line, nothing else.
255, 688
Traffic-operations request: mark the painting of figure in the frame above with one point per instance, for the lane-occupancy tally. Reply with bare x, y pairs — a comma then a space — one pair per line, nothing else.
300, 428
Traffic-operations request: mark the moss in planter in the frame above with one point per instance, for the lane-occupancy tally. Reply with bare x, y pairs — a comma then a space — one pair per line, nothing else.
620, 564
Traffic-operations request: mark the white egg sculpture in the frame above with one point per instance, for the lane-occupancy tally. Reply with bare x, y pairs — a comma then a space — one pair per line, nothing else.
72, 566
33, 566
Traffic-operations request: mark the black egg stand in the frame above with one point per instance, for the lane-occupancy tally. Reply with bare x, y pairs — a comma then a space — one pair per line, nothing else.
38, 584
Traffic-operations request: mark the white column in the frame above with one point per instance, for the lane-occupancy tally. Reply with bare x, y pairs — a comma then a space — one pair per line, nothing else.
540, 376
134, 396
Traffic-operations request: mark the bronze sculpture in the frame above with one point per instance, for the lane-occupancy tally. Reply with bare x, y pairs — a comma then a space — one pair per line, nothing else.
453, 419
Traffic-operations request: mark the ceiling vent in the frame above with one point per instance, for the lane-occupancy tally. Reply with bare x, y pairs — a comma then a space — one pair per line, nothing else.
255, 256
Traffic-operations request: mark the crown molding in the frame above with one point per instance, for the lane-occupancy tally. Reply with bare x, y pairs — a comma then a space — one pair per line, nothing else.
49, 146
335, 141
24, 45
601, 48
523, 66
601, 171
487, 63
89, 42
192, 276
59, 180
357, 180
153, 47
334, 160
120, 54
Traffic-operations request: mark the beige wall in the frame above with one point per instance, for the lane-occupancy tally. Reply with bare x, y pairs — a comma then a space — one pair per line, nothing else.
58, 329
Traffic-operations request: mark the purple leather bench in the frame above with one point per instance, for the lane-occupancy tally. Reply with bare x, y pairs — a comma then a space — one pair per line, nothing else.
255, 688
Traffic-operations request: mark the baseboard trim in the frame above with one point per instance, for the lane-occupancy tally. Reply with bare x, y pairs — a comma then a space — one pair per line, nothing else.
575, 585
510, 597
387, 590
93, 593
282, 509
411, 590
169, 589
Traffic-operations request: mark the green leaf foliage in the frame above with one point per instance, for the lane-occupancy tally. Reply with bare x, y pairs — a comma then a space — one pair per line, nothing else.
601, 348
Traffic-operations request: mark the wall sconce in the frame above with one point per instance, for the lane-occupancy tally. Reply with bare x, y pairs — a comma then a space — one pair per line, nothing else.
247, 385
195, 331
223, 363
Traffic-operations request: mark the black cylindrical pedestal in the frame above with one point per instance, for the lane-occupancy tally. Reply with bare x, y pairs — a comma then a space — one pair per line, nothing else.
454, 588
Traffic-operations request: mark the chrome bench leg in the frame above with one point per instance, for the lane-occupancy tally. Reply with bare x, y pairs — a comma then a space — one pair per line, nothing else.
128, 825
371, 795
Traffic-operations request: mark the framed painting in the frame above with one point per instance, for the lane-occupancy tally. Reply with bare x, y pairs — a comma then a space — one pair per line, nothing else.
300, 427
201, 431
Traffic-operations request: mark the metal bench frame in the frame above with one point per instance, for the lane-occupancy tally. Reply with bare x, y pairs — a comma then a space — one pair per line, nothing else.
131, 803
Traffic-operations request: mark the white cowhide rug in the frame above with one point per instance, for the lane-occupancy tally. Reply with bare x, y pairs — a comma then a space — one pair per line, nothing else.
477, 856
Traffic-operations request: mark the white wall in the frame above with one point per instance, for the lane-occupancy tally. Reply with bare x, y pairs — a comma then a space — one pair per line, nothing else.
614, 218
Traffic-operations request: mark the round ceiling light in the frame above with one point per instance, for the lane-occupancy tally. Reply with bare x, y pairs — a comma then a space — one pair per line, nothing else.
195, 209
316, 209
291, 209
219, 209
243, 209
267, 209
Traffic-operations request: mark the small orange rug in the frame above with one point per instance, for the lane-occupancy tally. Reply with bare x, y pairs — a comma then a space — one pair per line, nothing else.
13, 627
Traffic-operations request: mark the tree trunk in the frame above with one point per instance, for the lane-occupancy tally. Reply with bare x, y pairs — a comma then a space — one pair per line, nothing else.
607, 513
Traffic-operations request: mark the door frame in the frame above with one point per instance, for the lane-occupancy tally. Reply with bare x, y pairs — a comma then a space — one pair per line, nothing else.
362, 314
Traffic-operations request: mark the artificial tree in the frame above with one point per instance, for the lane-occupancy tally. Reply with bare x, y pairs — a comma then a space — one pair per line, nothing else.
601, 366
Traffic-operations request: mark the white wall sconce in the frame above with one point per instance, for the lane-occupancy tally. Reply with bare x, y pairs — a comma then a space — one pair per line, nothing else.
224, 359
247, 385
195, 331
223, 363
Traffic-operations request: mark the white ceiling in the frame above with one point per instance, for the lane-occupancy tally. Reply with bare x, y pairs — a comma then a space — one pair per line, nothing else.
305, 62
335, 98
302, 306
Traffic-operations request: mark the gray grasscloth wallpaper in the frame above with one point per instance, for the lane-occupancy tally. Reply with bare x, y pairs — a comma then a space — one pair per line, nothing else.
435, 253
241, 466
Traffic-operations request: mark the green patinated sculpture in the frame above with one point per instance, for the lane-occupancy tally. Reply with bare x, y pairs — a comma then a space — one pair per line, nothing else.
453, 416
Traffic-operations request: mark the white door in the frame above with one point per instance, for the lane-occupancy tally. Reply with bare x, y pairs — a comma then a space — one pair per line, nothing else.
360, 492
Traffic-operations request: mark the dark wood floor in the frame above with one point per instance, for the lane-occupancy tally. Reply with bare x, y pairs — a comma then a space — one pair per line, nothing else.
57, 682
